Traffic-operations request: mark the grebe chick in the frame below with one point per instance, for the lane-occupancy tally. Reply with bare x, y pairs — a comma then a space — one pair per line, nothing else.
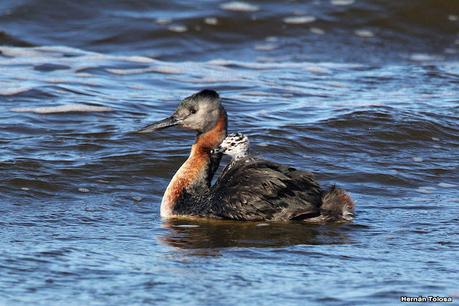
252, 190
337, 205
235, 145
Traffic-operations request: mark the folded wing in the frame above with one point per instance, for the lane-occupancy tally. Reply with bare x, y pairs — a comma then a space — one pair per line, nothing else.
254, 189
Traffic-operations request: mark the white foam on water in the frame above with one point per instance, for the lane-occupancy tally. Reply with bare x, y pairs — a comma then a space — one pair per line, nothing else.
317, 69
425, 189
453, 17
19, 52
128, 71
299, 19
342, 2
446, 185
364, 33
163, 20
63, 49
266, 47
66, 108
13, 90
160, 69
419, 57
140, 59
238, 6
211, 20
418, 159
186, 225
317, 31
177, 28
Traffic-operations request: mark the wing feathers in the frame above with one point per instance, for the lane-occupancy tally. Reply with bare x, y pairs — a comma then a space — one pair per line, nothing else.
261, 190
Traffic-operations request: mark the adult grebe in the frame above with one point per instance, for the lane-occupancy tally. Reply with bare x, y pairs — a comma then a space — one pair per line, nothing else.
254, 190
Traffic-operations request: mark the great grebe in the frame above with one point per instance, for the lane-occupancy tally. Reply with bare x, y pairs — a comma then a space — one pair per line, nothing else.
251, 190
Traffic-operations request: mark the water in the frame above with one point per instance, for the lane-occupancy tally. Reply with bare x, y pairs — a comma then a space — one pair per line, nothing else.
363, 93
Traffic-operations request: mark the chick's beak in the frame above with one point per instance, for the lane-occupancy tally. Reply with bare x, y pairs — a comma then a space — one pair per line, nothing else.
218, 149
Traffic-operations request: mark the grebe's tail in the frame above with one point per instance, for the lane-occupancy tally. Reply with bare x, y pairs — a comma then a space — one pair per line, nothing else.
337, 206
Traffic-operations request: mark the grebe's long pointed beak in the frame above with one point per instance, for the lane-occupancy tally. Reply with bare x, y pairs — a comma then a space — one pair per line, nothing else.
162, 124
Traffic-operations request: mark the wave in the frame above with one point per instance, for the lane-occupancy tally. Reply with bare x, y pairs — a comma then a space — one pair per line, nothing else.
68, 108
342, 30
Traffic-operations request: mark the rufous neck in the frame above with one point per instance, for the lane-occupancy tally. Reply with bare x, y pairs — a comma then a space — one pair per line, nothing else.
195, 175
212, 138
201, 151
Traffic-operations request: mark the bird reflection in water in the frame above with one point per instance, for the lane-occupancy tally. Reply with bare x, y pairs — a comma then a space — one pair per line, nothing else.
207, 236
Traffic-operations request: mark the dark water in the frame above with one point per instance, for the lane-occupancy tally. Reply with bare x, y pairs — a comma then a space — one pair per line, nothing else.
364, 94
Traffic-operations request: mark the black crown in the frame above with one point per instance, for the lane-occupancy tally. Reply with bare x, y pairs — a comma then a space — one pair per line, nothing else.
207, 94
